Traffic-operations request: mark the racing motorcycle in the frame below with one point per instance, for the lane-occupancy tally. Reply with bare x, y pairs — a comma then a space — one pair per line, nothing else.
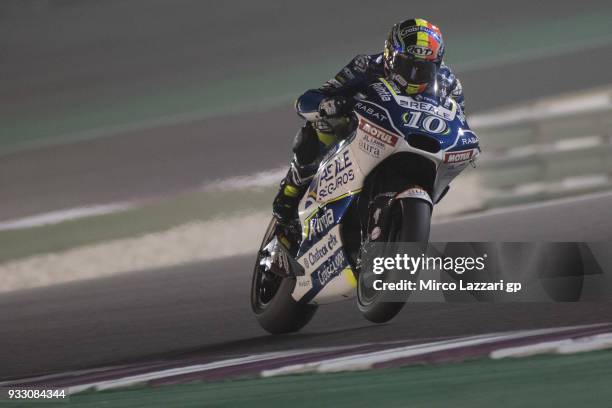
379, 184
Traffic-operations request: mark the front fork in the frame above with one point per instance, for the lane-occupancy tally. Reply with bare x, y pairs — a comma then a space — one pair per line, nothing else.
379, 212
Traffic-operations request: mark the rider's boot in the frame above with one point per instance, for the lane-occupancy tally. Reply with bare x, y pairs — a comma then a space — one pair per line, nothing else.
291, 189
285, 204
295, 183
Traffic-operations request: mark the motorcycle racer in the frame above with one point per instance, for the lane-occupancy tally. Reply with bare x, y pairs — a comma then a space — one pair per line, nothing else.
412, 62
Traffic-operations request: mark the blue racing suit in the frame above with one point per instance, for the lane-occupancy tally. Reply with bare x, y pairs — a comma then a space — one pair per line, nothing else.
355, 78
324, 109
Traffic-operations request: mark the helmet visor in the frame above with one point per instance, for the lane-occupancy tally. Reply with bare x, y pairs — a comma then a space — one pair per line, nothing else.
414, 71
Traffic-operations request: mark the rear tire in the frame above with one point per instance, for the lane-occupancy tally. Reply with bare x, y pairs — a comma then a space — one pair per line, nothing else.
274, 307
411, 220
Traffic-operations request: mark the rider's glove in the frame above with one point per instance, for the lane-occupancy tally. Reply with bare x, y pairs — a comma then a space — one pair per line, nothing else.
334, 107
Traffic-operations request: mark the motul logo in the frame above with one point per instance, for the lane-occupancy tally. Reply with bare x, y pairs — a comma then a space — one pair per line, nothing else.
377, 133
456, 157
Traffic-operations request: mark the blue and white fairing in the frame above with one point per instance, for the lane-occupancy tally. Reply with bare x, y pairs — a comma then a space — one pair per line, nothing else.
386, 122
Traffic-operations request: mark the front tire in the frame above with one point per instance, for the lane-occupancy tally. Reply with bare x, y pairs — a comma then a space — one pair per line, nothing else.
274, 307
410, 222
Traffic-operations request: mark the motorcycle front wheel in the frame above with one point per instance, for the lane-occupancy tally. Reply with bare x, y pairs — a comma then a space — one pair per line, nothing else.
410, 222
274, 307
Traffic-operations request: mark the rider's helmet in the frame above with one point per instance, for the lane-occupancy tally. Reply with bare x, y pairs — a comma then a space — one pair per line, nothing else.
413, 53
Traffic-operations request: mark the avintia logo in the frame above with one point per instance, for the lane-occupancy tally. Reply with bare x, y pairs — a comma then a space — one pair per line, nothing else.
320, 224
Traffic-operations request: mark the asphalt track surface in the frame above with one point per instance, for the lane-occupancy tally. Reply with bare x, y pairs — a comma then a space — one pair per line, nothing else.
203, 309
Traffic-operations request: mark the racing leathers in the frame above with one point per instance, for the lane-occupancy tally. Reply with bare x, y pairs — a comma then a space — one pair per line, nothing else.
325, 110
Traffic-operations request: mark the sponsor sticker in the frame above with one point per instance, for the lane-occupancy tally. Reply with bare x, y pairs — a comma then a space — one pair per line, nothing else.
405, 32
456, 157
382, 92
320, 223
419, 51
409, 30
303, 283
330, 268
439, 111
371, 146
321, 250
370, 111
469, 140
377, 133
336, 174
415, 192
